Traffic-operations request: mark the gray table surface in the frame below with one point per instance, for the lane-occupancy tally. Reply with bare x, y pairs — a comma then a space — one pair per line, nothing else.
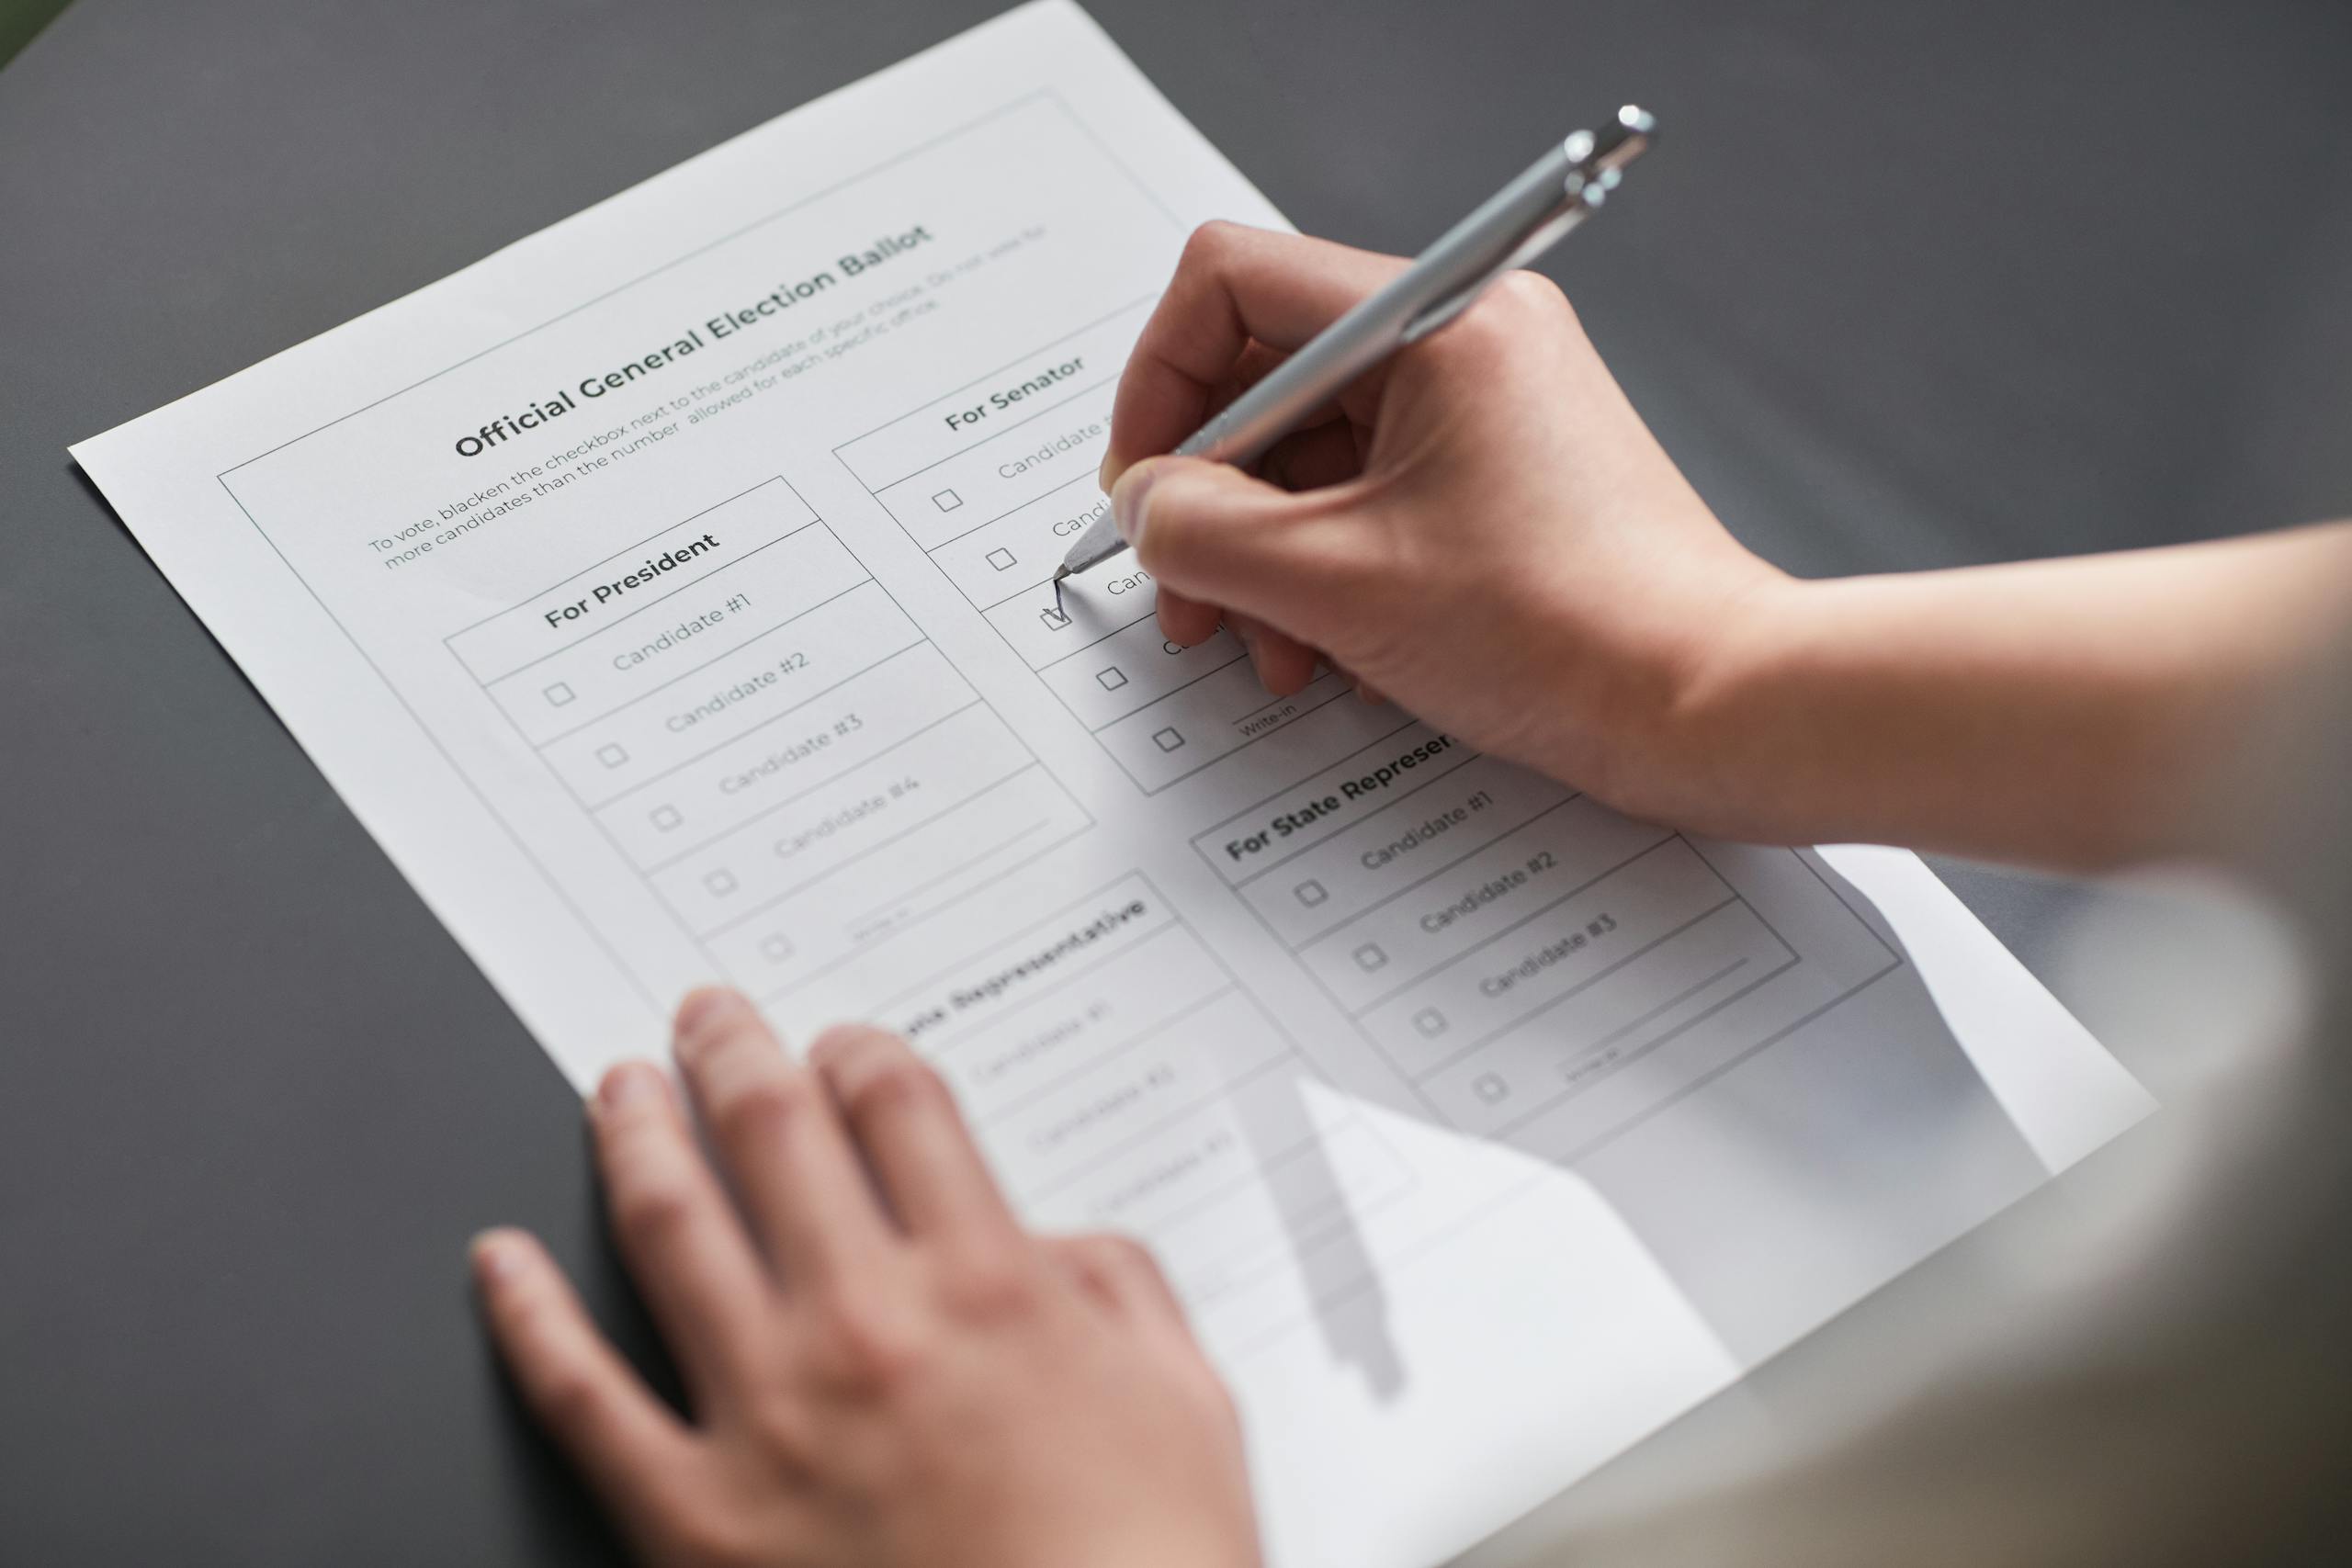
1907, 285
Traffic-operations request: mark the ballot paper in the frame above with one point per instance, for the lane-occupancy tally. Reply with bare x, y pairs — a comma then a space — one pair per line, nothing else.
668, 595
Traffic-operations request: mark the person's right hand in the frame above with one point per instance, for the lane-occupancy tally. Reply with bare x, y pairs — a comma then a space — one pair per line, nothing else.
1481, 529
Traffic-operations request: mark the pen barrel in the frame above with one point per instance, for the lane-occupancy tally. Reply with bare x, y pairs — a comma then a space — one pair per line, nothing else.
1442, 281
1510, 228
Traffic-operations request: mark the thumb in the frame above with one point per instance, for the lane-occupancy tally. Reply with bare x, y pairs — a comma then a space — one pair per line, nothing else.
1212, 532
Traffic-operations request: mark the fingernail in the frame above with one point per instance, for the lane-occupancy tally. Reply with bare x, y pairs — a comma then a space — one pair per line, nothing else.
629, 1084
497, 1255
1127, 503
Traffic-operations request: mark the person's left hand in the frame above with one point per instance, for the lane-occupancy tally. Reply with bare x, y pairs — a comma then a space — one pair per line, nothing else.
885, 1368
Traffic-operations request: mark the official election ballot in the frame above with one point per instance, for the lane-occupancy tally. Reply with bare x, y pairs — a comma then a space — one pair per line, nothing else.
669, 594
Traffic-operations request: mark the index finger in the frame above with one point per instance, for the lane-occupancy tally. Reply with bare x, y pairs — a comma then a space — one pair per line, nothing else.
1234, 285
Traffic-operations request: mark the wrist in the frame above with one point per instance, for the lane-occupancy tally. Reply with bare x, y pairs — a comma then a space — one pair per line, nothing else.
1712, 757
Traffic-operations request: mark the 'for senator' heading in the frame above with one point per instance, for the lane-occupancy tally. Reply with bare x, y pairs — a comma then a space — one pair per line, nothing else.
725, 324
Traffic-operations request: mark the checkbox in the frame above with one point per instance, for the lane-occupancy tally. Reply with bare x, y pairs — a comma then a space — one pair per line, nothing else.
1369, 956
721, 882
1429, 1022
611, 756
1112, 678
1001, 559
1311, 893
1168, 739
774, 949
1055, 620
1489, 1087
559, 694
947, 500
665, 817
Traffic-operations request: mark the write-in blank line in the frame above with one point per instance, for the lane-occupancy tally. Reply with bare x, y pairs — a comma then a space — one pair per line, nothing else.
854, 923
1666, 1005
1569, 1091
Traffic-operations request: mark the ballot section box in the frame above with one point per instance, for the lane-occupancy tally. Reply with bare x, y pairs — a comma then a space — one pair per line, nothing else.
994, 481
1536, 966
759, 731
1119, 1079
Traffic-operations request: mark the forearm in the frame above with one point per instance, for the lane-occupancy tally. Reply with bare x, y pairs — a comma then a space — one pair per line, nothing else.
2071, 713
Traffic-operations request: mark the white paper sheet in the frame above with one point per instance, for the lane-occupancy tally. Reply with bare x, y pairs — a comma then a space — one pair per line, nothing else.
665, 595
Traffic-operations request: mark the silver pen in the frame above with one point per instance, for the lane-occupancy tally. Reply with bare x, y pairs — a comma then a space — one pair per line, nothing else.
1519, 223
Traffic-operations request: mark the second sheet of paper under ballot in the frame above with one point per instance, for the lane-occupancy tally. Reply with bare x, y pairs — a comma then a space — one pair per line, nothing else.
666, 592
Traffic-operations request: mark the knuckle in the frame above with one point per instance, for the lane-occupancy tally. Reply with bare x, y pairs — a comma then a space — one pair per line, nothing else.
1133, 1256
1207, 246
784, 1428
723, 1021
1530, 293
841, 1041
866, 1346
652, 1212
761, 1108
571, 1399
845, 1053
894, 1086
987, 1285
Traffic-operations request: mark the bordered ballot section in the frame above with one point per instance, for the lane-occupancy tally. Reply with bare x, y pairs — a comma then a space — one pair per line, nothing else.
1513, 947
994, 481
762, 732
1121, 1079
